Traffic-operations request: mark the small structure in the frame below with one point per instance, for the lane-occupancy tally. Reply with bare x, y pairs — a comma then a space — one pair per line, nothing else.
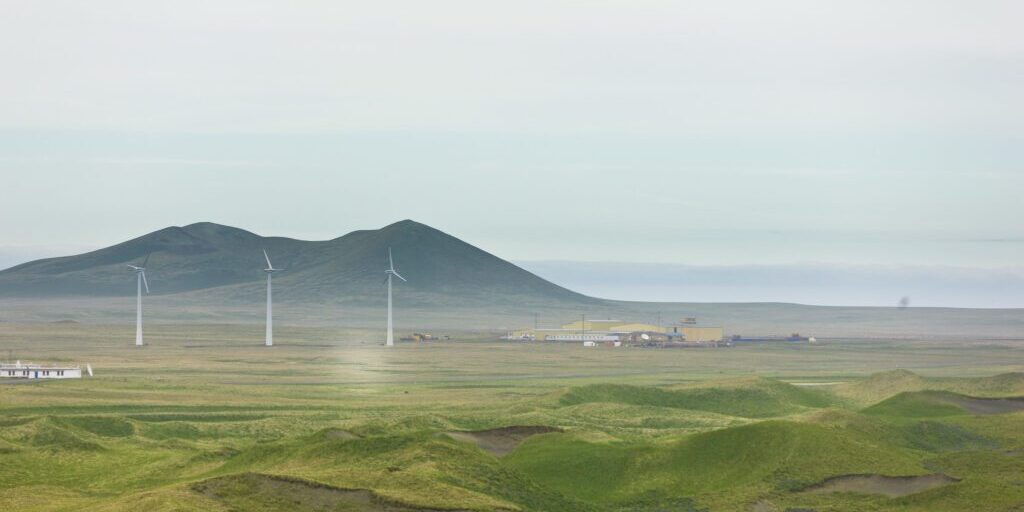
19, 370
589, 343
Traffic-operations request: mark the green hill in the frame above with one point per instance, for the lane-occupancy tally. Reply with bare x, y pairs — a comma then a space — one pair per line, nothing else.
936, 404
749, 398
733, 465
884, 385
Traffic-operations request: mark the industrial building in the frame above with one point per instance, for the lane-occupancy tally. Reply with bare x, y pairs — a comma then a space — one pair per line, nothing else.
618, 330
19, 370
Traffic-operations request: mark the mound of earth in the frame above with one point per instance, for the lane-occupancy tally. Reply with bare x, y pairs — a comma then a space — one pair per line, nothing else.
748, 398
334, 433
891, 486
925, 404
880, 386
252, 491
501, 441
885, 385
105, 426
1005, 382
976, 405
55, 438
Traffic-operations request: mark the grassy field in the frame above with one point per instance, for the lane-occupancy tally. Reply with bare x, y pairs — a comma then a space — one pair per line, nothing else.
205, 418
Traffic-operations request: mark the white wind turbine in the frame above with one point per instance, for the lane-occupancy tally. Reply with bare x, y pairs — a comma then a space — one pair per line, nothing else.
270, 305
391, 272
140, 273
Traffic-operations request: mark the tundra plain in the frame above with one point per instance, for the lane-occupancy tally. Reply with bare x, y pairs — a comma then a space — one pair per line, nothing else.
206, 418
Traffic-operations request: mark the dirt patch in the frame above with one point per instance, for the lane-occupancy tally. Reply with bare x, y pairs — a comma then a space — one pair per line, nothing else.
989, 405
251, 491
501, 441
892, 486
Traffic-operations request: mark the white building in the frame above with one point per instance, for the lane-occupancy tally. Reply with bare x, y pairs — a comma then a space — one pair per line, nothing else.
594, 337
21, 370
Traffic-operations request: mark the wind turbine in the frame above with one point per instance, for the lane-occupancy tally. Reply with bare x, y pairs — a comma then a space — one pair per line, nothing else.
391, 272
270, 305
140, 273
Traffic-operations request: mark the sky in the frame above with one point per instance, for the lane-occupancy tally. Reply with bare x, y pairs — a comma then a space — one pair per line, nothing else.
712, 134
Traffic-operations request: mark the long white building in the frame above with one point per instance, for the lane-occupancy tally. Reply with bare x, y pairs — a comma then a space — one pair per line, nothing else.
19, 370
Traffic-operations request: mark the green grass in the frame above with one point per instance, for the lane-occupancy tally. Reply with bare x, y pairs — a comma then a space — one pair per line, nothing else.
231, 425
106, 426
731, 465
918, 404
759, 398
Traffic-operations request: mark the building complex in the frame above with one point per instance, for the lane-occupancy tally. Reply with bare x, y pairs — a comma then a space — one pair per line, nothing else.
600, 331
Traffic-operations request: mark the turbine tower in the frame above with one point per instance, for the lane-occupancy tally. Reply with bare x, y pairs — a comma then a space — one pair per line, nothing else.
140, 273
270, 305
391, 272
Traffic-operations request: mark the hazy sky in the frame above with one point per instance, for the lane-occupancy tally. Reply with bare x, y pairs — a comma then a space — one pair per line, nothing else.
724, 132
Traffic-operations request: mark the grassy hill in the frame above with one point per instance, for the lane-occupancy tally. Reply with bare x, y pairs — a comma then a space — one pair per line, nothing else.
748, 398
885, 385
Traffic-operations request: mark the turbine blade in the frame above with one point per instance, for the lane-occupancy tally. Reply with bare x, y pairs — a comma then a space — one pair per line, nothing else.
146, 260
144, 281
391, 262
269, 265
399, 276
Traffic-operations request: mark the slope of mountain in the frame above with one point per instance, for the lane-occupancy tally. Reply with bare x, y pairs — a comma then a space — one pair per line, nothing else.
205, 255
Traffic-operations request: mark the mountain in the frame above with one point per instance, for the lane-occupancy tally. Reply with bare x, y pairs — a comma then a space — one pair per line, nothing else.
210, 273
207, 256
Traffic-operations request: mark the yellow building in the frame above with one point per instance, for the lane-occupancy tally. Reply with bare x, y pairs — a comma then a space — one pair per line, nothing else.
637, 327
695, 334
593, 325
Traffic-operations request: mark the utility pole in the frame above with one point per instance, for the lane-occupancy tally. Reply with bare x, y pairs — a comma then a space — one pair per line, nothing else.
583, 327
535, 322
